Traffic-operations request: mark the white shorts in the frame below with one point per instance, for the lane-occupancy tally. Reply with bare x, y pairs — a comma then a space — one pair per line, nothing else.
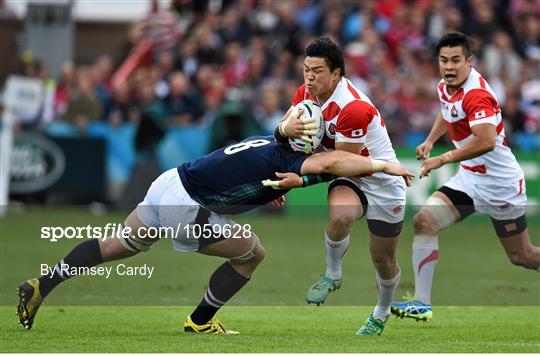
167, 204
385, 202
501, 201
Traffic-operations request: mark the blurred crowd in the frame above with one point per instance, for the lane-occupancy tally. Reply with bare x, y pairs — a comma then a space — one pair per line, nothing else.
234, 66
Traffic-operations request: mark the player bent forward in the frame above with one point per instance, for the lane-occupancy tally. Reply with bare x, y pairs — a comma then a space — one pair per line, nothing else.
353, 124
489, 179
193, 194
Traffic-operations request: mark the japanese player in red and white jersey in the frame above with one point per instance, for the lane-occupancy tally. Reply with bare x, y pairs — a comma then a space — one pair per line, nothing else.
353, 124
489, 179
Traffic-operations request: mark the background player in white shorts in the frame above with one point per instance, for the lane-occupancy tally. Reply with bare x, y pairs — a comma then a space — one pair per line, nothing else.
353, 124
489, 179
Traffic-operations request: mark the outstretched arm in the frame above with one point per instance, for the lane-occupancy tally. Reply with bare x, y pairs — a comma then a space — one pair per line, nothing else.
327, 166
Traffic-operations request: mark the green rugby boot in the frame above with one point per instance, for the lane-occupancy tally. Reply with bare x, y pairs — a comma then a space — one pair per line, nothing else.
371, 326
319, 292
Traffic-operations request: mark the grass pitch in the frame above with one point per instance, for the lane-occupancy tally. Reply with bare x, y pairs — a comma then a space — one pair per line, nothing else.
482, 302
272, 329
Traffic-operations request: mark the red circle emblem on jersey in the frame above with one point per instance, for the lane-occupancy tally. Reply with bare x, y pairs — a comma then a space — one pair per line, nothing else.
332, 129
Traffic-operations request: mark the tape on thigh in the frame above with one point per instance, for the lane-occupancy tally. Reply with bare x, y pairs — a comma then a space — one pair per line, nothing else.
441, 212
136, 243
250, 254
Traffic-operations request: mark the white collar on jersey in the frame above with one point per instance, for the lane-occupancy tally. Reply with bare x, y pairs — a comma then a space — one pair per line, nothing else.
472, 74
342, 82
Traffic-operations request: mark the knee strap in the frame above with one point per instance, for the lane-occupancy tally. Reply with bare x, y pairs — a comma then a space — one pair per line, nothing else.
250, 254
136, 243
440, 211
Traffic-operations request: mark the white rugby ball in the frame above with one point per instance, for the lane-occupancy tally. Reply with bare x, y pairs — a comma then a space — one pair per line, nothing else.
311, 109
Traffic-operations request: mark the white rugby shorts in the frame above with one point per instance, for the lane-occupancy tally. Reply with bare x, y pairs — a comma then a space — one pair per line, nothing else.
502, 201
385, 202
167, 204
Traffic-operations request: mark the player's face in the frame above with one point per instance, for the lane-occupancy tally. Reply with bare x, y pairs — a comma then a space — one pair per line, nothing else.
320, 81
454, 67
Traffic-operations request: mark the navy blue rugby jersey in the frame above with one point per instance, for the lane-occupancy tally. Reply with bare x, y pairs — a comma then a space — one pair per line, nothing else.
228, 180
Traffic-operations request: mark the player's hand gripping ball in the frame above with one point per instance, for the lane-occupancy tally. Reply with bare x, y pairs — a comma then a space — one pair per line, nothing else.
312, 117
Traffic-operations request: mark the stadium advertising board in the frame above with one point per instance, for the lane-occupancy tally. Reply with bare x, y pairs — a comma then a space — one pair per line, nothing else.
36, 163
421, 189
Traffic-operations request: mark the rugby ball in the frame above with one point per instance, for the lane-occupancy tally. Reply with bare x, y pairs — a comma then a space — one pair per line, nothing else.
311, 109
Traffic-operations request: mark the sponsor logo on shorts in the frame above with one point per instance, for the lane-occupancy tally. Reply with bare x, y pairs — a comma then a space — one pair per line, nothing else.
510, 227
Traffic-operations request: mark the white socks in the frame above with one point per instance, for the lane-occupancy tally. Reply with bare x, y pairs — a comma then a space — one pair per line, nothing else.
425, 254
385, 292
334, 256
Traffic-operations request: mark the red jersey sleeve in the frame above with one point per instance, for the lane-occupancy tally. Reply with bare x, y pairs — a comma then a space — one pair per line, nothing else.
480, 107
300, 95
353, 121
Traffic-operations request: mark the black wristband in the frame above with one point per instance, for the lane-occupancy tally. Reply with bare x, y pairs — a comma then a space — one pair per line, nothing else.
314, 179
281, 140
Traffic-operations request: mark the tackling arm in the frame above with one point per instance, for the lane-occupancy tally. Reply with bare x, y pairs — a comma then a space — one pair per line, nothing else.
327, 166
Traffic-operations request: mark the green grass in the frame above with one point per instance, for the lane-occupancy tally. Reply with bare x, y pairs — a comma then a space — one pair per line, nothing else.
272, 329
482, 302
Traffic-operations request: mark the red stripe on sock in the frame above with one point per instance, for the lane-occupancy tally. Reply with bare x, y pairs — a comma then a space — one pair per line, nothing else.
431, 257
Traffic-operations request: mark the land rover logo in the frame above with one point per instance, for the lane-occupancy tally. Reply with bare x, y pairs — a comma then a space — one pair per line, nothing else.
36, 163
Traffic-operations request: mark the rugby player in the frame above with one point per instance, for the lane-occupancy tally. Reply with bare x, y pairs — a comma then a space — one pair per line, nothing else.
199, 193
489, 179
354, 125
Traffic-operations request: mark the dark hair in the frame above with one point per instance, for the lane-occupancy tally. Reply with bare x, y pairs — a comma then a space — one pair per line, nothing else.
325, 48
455, 39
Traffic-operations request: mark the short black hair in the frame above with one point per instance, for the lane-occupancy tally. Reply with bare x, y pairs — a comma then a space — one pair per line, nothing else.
325, 48
455, 39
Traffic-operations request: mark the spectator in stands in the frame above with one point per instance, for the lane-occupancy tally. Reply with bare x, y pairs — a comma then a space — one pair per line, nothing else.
102, 71
149, 104
268, 111
160, 27
514, 118
120, 108
84, 105
527, 35
234, 48
234, 27
233, 123
481, 20
235, 68
187, 60
184, 103
499, 56
66, 86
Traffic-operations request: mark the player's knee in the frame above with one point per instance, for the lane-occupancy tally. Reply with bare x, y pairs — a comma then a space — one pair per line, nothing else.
254, 255
342, 219
136, 243
424, 224
113, 249
517, 258
384, 260
523, 259
261, 254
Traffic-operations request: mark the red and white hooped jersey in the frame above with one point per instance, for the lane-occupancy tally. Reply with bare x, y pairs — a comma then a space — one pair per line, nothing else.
475, 103
351, 117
